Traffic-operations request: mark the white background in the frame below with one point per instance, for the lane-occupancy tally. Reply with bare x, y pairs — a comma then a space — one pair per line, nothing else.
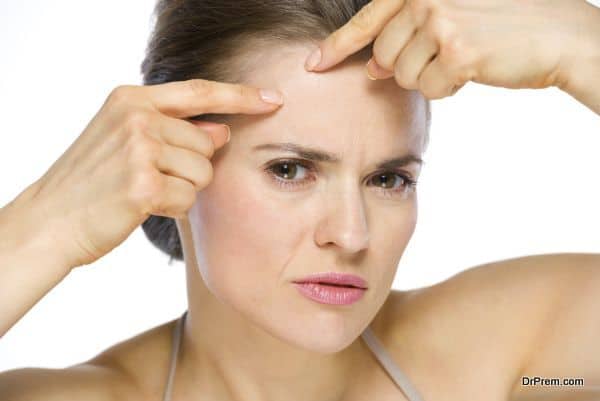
508, 173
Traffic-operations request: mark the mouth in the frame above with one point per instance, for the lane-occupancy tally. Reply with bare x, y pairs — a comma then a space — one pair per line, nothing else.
334, 279
330, 293
337, 285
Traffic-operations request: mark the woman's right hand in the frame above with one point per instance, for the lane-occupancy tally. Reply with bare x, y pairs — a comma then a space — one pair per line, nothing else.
137, 157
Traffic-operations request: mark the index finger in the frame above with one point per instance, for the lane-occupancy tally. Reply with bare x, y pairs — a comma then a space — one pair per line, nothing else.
182, 99
358, 32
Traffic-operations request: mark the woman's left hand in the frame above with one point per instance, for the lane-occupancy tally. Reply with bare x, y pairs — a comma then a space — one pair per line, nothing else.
437, 46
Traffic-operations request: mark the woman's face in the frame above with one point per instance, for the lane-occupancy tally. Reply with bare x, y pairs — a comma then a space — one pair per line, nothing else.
254, 231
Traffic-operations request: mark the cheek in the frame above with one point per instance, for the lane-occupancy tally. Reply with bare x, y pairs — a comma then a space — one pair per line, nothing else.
243, 237
391, 235
402, 224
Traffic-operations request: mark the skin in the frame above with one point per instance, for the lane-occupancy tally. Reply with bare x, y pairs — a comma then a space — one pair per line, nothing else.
240, 312
507, 319
438, 46
238, 324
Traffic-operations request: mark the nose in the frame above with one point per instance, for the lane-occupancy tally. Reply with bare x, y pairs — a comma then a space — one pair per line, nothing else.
344, 222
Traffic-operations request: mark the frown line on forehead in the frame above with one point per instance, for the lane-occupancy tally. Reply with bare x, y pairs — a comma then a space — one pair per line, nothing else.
319, 155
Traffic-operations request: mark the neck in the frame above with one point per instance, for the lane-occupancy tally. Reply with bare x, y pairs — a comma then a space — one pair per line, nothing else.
224, 356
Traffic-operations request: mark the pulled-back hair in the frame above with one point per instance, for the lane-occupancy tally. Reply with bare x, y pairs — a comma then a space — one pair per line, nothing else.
216, 40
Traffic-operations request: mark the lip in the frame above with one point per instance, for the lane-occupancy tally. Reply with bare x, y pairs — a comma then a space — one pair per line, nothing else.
329, 294
335, 278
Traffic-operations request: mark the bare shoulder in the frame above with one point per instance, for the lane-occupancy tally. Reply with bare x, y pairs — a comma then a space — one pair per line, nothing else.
133, 369
142, 361
483, 321
83, 382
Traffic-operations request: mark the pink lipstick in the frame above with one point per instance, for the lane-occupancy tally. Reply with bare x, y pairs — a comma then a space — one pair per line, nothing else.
332, 288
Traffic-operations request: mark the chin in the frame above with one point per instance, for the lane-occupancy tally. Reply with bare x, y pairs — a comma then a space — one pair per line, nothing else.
316, 335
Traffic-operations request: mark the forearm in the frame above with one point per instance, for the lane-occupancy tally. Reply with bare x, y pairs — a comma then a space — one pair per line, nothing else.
30, 264
581, 72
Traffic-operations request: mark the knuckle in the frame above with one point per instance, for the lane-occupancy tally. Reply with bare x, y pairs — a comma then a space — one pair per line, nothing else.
441, 25
209, 147
189, 196
453, 89
460, 76
381, 57
427, 95
401, 78
121, 94
236, 94
434, 6
141, 149
430, 94
431, 28
455, 52
244, 92
205, 174
200, 87
364, 19
146, 186
418, 9
452, 46
137, 121
439, 17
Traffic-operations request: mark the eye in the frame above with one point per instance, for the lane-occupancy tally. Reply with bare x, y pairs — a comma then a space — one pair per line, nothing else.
390, 178
285, 173
288, 169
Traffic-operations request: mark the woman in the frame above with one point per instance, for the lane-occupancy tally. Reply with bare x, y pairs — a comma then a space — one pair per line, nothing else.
245, 334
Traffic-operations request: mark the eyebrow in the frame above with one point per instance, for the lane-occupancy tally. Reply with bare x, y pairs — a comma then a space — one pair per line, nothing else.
318, 155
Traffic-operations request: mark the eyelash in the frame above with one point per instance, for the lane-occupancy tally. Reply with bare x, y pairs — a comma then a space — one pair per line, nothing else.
409, 183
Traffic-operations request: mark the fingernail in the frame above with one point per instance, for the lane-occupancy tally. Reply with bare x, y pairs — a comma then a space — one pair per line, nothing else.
271, 96
313, 59
371, 77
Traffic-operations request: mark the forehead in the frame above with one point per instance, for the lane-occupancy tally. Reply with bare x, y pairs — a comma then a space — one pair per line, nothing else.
340, 105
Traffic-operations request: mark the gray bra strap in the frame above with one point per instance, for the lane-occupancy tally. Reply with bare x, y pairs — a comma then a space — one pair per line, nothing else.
174, 353
388, 363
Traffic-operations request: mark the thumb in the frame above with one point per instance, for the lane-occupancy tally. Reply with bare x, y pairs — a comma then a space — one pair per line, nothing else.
219, 133
375, 71
359, 31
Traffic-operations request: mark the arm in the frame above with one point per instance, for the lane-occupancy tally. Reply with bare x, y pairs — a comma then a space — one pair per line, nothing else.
30, 260
566, 343
580, 77
80, 382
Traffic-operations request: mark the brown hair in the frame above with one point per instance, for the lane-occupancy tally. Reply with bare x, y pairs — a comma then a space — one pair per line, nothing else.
214, 39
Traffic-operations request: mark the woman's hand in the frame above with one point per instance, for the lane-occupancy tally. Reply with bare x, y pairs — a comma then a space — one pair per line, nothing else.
137, 157
437, 46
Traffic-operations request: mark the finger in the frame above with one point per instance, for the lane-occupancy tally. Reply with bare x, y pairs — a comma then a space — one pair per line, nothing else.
374, 71
358, 32
185, 164
198, 136
393, 38
189, 98
413, 59
176, 199
219, 133
435, 82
